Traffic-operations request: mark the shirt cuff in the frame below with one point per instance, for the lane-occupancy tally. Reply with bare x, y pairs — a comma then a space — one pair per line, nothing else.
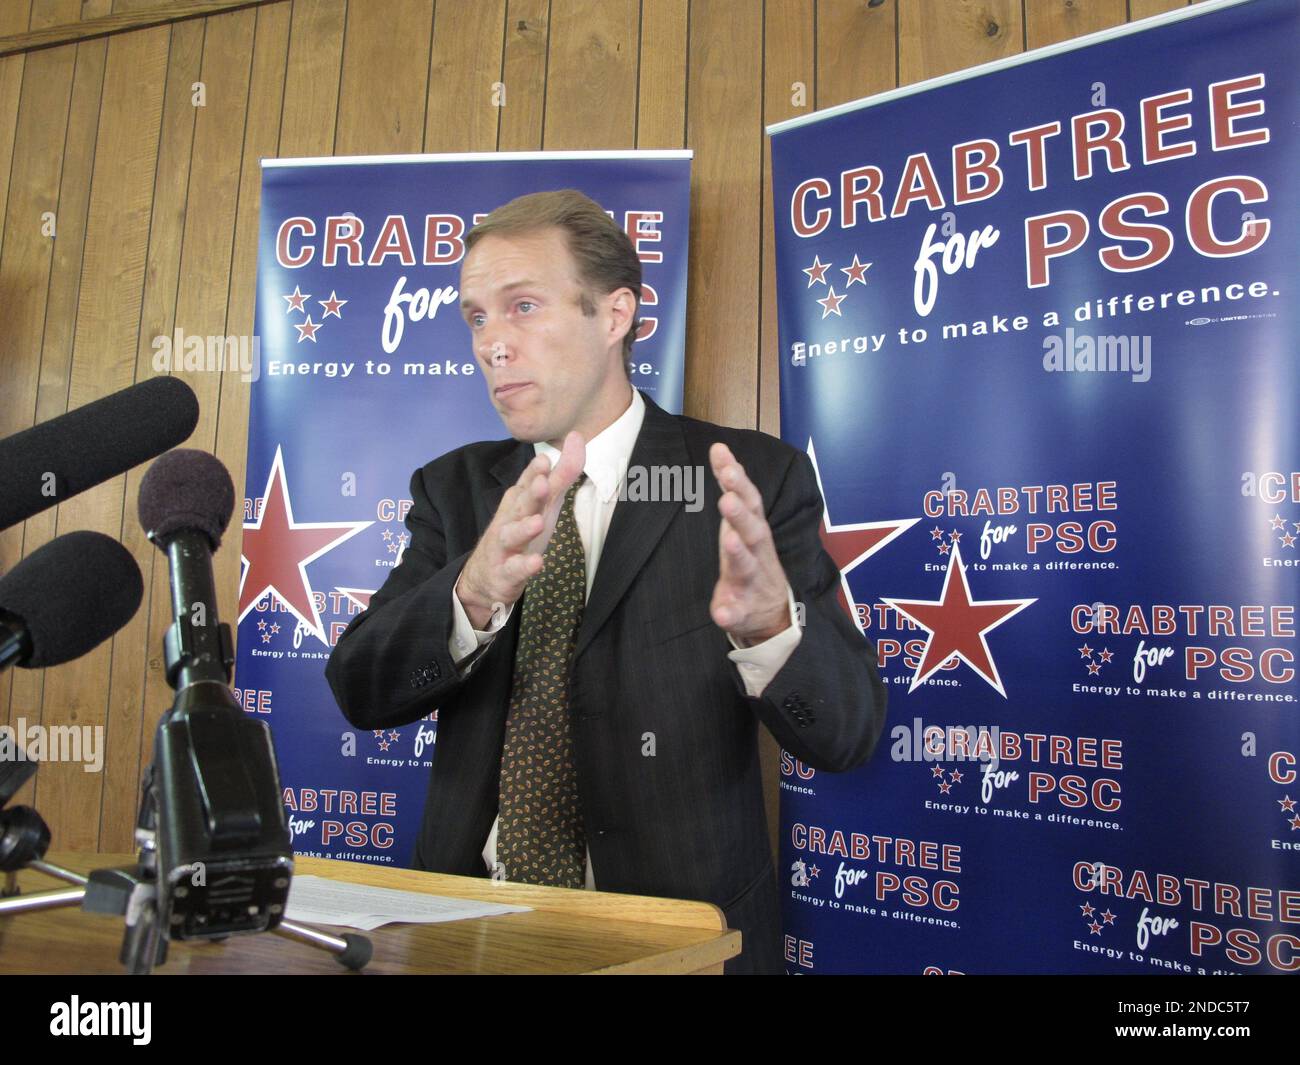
760, 663
465, 639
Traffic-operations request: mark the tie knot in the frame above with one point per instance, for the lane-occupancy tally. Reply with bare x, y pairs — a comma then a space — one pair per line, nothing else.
573, 489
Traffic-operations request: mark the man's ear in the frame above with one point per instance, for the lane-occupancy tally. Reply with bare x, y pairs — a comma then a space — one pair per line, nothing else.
621, 307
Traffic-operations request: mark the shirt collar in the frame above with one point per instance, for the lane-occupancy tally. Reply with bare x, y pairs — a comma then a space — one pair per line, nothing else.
609, 451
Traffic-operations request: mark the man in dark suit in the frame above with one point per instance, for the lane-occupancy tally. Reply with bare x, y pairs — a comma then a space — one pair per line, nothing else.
611, 742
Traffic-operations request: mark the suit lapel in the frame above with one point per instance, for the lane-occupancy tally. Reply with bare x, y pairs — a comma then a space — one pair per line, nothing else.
637, 526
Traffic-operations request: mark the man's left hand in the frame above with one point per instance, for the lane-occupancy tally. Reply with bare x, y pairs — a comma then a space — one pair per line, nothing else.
749, 601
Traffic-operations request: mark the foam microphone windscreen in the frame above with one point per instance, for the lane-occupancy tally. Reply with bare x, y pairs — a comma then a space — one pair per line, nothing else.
53, 461
186, 489
73, 594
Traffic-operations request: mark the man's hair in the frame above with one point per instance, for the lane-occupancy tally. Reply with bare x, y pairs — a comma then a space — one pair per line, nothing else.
605, 257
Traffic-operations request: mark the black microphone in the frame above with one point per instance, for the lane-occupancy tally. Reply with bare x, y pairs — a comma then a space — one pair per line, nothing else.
186, 500
53, 461
213, 807
65, 599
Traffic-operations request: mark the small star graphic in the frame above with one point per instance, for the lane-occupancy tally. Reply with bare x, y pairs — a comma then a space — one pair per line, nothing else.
332, 305
1287, 804
956, 776
384, 745
266, 638
1094, 928
388, 534
1108, 917
1295, 822
1296, 525
1085, 651
1087, 909
857, 272
936, 533
1277, 522
937, 771
831, 304
955, 536
307, 330
392, 547
944, 788
817, 272
814, 871
403, 539
1287, 540
1106, 655
275, 628
1093, 669
394, 736
298, 301
379, 733
261, 625
944, 548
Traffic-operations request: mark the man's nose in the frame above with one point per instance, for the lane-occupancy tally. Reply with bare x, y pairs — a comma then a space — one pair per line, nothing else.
493, 347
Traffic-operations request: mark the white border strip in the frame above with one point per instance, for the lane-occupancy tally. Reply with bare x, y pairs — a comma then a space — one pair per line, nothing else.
1177, 15
480, 157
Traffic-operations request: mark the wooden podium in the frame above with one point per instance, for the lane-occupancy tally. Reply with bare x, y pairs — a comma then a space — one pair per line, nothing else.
568, 931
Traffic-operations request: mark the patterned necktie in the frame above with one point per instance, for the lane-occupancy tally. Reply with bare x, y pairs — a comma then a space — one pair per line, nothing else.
540, 837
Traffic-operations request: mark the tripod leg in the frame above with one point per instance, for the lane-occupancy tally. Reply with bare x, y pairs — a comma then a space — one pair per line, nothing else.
351, 951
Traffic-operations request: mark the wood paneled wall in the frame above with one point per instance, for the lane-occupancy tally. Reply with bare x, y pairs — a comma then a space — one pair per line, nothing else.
155, 205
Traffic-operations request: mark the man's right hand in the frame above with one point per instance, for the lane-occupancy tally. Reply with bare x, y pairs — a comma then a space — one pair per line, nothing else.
511, 548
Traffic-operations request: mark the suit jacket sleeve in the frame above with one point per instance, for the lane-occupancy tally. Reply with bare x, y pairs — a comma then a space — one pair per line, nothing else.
393, 663
826, 705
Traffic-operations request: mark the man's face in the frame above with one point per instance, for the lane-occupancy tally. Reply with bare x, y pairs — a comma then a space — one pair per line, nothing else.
548, 366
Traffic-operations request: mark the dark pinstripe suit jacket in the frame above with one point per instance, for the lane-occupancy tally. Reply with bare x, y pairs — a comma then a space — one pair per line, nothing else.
688, 821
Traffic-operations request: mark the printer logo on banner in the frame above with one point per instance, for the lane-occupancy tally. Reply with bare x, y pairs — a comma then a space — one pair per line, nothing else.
1038, 332
364, 373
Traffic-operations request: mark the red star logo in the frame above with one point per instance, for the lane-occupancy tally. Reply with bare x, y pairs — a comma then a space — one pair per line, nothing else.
307, 330
814, 871
298, 301
1093, 669
831, 304
1276, 522
1085, 651
944, 788
937, 771
1287, 540
956, 776
1106, 655
1094, 928
936, 533
332, 305
817, 272
957, 625
278, 550
851, 545
1295, 822
857, 272
955, 536
1287, 804
1108, 917
1087, 909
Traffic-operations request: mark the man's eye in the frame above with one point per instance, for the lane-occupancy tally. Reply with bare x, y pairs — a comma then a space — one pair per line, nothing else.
476, 319
523, 305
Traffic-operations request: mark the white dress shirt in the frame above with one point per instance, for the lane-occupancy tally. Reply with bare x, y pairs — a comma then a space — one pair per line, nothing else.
608, 456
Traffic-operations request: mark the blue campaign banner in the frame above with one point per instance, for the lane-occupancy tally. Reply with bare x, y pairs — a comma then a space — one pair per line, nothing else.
364, 374
1038, 329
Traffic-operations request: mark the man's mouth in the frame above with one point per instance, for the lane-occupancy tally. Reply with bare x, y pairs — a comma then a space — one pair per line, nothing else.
508, 390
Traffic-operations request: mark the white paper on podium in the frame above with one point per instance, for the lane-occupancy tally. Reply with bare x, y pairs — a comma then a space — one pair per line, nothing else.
316, 900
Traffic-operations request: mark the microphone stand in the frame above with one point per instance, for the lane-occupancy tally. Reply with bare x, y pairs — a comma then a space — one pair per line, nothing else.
198, 732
